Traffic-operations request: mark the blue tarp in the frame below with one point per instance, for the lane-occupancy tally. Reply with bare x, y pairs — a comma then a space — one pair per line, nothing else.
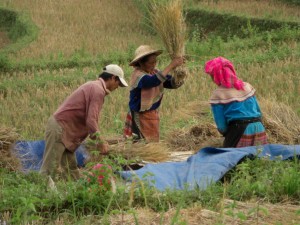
31, 154
207, 166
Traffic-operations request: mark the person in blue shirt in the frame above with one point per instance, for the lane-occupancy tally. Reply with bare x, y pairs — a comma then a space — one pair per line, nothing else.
146, 92
234, 105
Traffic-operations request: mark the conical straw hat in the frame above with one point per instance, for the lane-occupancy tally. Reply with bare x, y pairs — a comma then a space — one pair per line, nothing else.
143, 51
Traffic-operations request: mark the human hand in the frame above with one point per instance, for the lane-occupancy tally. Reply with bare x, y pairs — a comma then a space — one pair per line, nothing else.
178, 61
103, 147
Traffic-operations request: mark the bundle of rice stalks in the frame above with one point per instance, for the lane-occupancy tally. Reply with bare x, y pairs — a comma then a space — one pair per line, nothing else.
141, 151
7, 159
167, 20
197, 137
281, 122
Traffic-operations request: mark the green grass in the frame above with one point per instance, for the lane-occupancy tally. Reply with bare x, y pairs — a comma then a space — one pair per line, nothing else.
268, 10
273, 181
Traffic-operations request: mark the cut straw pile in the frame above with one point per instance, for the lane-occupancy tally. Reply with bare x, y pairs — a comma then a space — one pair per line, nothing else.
167, 20
152, 152
202, 135
281, 122
7, 159
141, 151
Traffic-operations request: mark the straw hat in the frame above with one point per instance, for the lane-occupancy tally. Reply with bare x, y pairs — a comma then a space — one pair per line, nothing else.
143, 51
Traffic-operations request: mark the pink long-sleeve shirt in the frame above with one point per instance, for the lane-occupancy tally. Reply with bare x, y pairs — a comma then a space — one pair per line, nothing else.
80, 112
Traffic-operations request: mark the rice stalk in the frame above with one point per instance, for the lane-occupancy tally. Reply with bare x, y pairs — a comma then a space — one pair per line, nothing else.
140, 151
281, 122
151, 152
205, 134
168, 21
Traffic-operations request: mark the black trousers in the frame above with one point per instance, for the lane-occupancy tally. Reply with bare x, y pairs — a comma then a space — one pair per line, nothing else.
235, 131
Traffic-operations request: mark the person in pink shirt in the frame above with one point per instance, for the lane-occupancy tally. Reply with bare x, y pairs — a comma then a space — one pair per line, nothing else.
75, 120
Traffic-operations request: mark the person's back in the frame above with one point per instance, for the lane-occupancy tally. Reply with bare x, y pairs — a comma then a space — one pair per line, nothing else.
243, 110
234, 106
79, 113
76, 119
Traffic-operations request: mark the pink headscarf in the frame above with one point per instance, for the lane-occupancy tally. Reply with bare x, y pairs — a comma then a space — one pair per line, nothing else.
223, 73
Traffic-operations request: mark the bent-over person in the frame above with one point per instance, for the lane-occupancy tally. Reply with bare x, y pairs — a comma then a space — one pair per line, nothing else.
75, 120
234, 105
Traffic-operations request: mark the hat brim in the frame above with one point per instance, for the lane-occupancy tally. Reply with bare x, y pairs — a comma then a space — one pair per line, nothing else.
123, 82
136, 59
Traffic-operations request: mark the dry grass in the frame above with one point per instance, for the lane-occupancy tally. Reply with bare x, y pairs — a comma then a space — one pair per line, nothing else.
7, 159
262, 8
255, 213
193, 138
150, 152
167, 20
140, 152
28, 108
199, 109
281, 122
96, 26
197, 137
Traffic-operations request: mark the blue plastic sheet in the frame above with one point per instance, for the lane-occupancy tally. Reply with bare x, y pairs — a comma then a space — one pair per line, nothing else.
207, 166
31, 153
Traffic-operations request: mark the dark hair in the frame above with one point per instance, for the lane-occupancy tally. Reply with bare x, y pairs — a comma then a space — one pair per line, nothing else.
105, 76
144, 59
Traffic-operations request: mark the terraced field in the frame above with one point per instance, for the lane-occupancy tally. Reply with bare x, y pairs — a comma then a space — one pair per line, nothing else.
53, 47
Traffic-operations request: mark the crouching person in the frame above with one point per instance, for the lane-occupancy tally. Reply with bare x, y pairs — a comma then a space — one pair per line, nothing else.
75, 120
234, 105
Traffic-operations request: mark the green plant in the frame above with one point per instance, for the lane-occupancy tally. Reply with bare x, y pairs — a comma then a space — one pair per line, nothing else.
249, 30
265, 179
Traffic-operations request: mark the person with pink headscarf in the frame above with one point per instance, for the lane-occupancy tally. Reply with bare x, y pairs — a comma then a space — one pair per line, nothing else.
235, 108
